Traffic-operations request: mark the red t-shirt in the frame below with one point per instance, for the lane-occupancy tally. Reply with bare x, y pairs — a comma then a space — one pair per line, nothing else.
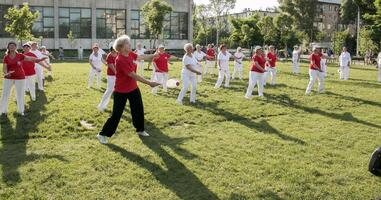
210, 52
162, 62
28, 66
125, 65
14, 64
261, 61
272, 58
316, 59
110, 60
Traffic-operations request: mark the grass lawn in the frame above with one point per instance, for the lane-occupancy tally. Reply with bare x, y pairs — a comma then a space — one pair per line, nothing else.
285, 146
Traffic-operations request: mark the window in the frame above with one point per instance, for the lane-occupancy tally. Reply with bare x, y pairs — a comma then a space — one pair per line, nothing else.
138, 29
77, 20
3, 22
110, 23
44, 25
176, 26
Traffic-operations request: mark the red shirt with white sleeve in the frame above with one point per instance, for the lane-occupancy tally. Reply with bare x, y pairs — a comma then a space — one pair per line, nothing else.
110, 60
272, 57
211, 53
261, 61
317, 59
125, 65
28, 66
162, 62
15, 65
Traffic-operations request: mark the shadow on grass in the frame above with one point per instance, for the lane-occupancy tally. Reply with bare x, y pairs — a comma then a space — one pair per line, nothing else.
14, 141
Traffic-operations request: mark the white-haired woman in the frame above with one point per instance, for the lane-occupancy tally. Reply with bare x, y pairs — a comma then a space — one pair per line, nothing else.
256, 73
96, 61
188, 74
126, 88
238, 66
223, 67
14, 74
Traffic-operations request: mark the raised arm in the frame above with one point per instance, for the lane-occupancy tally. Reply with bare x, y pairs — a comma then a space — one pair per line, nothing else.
143, 80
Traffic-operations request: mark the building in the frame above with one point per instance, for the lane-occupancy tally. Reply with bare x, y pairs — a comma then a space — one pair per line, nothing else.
100, 21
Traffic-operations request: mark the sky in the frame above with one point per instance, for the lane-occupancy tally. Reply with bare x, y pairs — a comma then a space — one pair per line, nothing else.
253, 4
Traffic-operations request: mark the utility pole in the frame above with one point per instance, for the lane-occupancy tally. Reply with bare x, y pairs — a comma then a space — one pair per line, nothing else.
358, 32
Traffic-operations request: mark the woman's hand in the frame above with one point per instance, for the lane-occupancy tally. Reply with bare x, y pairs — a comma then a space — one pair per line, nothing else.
153, 84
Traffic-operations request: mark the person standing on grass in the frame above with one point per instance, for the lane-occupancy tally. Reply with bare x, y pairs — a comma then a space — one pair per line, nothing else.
110, 79
188, 74
30, 72
126, 88
39, 66
61, 53
315, 71
323, 64
256, 74
96, 61
14, 74
211, 60
160, 63
46, 53
295, 60
345, 62
140, 51
238, 66
223, 67
379, 66
271, 66
199, 55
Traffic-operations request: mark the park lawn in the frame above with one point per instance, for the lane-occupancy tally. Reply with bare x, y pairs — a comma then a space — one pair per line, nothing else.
285, 146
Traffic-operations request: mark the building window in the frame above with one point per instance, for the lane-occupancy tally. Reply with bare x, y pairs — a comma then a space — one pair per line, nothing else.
110, 23
3, 22
138, 28
176, 26
77, 20
44, 25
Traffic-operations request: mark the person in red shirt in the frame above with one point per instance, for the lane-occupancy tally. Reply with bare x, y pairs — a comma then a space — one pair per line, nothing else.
160, 63
14, 74
271, 66
30, 72
210, 62
126, 88
110, 60
256, 73
315, 71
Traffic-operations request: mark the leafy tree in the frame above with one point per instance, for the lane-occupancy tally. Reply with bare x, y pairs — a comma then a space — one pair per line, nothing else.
283, 23
21, 21
321, 36
339, 40
366, 41
71, 39
218, 9
246, 32
268, 30
154, 12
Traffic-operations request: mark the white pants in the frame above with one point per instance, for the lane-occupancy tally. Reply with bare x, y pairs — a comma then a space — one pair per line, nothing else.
107, 95
39, 76
188, 80
295, 67
379, 73
223, 72
161, 78
140, 68
255, 78
237, 70
199, 68
315, 74
30, 85
209, 66
272, 72
20, 92
93, 73
344, 72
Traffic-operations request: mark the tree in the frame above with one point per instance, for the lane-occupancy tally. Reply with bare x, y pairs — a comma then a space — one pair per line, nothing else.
71, 39
283, 23
268, 30
321, 36
21, 21
154, 12
339, 40
366, 42
246, 32
220, 8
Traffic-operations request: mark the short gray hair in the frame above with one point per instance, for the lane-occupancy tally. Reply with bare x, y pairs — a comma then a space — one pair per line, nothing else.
121, 41
187, 45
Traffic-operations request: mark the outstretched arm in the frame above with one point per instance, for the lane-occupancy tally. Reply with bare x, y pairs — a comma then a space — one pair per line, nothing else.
142, 80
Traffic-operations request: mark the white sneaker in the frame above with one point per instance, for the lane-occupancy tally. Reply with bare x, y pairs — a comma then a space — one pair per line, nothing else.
248, 97
100, 109
143, 133
179, 102
102, 139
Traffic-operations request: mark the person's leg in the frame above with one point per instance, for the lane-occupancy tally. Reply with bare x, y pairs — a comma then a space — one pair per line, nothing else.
266, 75
40, 82
199, 77
137, 109
220, 78
91, 78
107, 95
165, 80
6, 93
346, 74
193, 82
111, 124
313, 75
99, 79
321, 81
159, 79
240, 72
273, 76
31, 83
235, 71
259, 77
186, 81
227, 76
206, 67
252, 82
341, 72
20, 92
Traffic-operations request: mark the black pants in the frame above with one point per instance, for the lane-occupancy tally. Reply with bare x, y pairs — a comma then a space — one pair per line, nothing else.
136, 107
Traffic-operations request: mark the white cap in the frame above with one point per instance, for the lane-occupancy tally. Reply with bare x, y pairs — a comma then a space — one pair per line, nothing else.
257, 47
161, 46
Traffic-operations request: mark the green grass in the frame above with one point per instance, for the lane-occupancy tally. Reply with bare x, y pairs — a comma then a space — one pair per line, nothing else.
285, 146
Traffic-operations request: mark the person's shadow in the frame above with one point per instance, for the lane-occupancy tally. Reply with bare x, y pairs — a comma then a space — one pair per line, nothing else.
13, 152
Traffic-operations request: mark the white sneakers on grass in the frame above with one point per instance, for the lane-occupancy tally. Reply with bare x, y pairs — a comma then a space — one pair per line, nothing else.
102, 139
143, 133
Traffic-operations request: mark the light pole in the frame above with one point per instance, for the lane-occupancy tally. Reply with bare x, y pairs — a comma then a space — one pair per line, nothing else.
358, 31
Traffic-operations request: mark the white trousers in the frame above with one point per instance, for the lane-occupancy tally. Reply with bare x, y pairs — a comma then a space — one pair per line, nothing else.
295, 67
107, 95
344, 72
199, 68
209, 66
93, 73
161, 78
188, 80
30, 85
39, 76
237, 70
20, 92
223, 72
272, 72
140, 68
315, 75
254, 79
